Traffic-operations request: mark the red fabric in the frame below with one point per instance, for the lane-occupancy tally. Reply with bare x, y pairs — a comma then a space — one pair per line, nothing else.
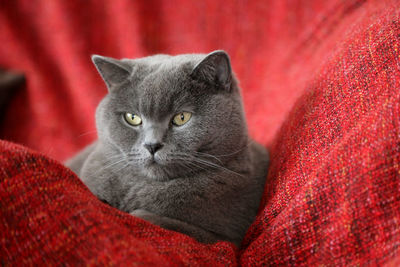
320, 82
49, 216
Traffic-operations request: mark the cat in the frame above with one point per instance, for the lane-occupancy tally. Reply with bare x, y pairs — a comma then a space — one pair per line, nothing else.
173, 146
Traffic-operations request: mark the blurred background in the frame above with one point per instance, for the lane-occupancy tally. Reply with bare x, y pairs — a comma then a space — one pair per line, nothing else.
50, 42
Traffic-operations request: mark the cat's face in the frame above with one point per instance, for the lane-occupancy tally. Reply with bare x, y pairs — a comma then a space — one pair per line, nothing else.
166, 117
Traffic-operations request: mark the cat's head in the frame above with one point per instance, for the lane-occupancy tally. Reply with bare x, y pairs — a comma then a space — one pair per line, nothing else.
169, 116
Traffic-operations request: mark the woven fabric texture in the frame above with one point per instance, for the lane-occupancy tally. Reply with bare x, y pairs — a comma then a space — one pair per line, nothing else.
49, 217
321, 86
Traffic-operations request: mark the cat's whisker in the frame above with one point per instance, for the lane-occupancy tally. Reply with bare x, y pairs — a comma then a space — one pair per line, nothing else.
117, 147
198, 154
216, 166
187, 166
207, 155
237, 151
117, 163
189, 158
203, 160
204, 155
115, 157
123, 167
195, 165
191, 163
109, 166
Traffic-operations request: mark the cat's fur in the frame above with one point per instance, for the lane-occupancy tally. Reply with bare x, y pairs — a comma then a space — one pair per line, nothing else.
207, 178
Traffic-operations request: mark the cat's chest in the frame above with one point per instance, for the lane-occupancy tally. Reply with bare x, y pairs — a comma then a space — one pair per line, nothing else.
137, 192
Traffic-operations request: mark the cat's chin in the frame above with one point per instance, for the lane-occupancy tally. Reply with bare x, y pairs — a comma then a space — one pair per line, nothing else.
155, 170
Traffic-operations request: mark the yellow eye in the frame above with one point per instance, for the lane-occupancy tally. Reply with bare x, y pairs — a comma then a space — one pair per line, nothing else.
132, 119
181, 118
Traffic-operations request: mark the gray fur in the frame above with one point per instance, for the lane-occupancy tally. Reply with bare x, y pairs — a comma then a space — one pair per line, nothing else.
207, 178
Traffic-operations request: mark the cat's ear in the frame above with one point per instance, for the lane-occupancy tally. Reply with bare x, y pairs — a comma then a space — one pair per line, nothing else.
215, 68
113, 71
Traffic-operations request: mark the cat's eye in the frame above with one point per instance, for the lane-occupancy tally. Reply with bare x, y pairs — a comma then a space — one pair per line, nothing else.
132, 119
181, 118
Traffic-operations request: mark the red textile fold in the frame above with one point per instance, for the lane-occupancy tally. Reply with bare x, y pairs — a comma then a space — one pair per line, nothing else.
48, 216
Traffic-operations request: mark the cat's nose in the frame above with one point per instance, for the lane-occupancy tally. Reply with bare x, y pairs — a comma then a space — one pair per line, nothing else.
153, 147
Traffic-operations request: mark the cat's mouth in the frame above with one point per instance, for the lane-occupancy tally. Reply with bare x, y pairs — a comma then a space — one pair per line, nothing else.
155, 168
153, 161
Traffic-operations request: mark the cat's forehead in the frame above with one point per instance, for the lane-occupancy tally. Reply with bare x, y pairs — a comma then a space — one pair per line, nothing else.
161, 84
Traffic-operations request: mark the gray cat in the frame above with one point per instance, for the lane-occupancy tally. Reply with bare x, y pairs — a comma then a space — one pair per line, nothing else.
173, 147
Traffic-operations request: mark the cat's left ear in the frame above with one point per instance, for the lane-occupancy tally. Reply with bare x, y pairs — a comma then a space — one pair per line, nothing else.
113, 71
215, 68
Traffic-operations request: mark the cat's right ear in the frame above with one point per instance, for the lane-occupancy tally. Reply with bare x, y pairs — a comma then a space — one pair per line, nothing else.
215, 68
113, 71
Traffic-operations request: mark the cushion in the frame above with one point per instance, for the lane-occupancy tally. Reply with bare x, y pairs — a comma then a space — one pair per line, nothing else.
48, 216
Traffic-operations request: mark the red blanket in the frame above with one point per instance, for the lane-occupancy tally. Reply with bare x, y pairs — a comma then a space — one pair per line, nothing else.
320, 82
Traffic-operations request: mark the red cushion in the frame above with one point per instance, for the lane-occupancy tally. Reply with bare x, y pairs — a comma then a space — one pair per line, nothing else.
48, 216
333, 191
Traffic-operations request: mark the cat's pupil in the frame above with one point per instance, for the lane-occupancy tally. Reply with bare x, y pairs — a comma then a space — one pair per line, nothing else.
182, 117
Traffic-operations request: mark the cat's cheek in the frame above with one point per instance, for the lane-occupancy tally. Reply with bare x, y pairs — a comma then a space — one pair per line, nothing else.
123, 136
